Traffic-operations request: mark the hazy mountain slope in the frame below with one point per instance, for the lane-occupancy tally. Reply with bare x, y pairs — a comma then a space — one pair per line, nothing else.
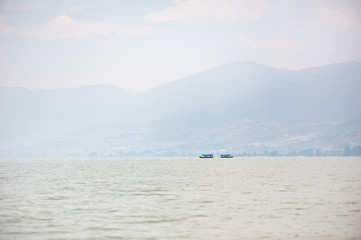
304, 108
329, 93
240, 105
205, 89
252, 90
30, 116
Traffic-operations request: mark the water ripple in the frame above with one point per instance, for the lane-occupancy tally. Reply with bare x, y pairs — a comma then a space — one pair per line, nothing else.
243, 198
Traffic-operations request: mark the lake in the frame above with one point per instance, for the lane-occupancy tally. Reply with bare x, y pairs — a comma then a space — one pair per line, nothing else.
181, 198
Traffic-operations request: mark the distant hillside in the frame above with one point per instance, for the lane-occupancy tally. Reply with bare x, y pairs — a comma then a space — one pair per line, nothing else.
206, 89
238, 107
32, 116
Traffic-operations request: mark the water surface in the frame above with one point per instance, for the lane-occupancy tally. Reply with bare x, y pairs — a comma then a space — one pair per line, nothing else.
186, 198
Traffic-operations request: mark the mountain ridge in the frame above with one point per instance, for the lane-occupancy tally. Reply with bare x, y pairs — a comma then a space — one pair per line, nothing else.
181, 111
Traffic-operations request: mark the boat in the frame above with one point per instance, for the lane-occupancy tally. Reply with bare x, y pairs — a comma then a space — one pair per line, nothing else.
209, 155
226, 156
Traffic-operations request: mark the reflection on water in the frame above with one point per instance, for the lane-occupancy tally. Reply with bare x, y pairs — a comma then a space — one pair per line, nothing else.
240, 198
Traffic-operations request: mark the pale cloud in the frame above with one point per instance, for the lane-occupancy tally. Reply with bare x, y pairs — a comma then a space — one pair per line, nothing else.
282, 46
266, 49
25, 6
244, 10
65, 27
74, 10
198, 34
345, 18
5, 29
327, 32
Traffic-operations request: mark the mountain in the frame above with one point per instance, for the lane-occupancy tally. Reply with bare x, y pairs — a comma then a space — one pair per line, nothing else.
31, 116
206, 89
238, 107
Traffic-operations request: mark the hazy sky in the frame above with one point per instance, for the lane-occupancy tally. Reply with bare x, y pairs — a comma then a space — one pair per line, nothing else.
139, 44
